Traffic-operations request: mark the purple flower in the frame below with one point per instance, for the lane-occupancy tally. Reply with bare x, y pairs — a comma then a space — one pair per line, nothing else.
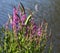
15, 19
23, 17
39, 31
34, 29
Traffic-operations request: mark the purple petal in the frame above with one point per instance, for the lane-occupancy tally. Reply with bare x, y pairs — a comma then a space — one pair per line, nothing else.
23, 17
39, 31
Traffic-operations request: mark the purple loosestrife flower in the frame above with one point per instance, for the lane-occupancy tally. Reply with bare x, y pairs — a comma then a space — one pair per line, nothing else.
15, 20
22, 13
15, 17
23, 18
34, 29
39, 31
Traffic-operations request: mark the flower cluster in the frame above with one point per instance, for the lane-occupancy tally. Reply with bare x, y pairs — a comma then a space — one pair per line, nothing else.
20, 21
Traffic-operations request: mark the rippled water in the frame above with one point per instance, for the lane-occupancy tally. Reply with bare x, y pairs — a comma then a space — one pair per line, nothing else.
48, 9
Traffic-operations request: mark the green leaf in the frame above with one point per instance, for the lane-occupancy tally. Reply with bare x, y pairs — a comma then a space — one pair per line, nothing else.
13, 46
22, 8
27, 19
1, 49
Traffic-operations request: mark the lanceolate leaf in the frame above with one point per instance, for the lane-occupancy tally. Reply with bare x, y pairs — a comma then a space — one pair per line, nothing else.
27, 19
22, 8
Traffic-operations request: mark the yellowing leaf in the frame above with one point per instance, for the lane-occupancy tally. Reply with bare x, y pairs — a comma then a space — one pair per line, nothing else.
27, 19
